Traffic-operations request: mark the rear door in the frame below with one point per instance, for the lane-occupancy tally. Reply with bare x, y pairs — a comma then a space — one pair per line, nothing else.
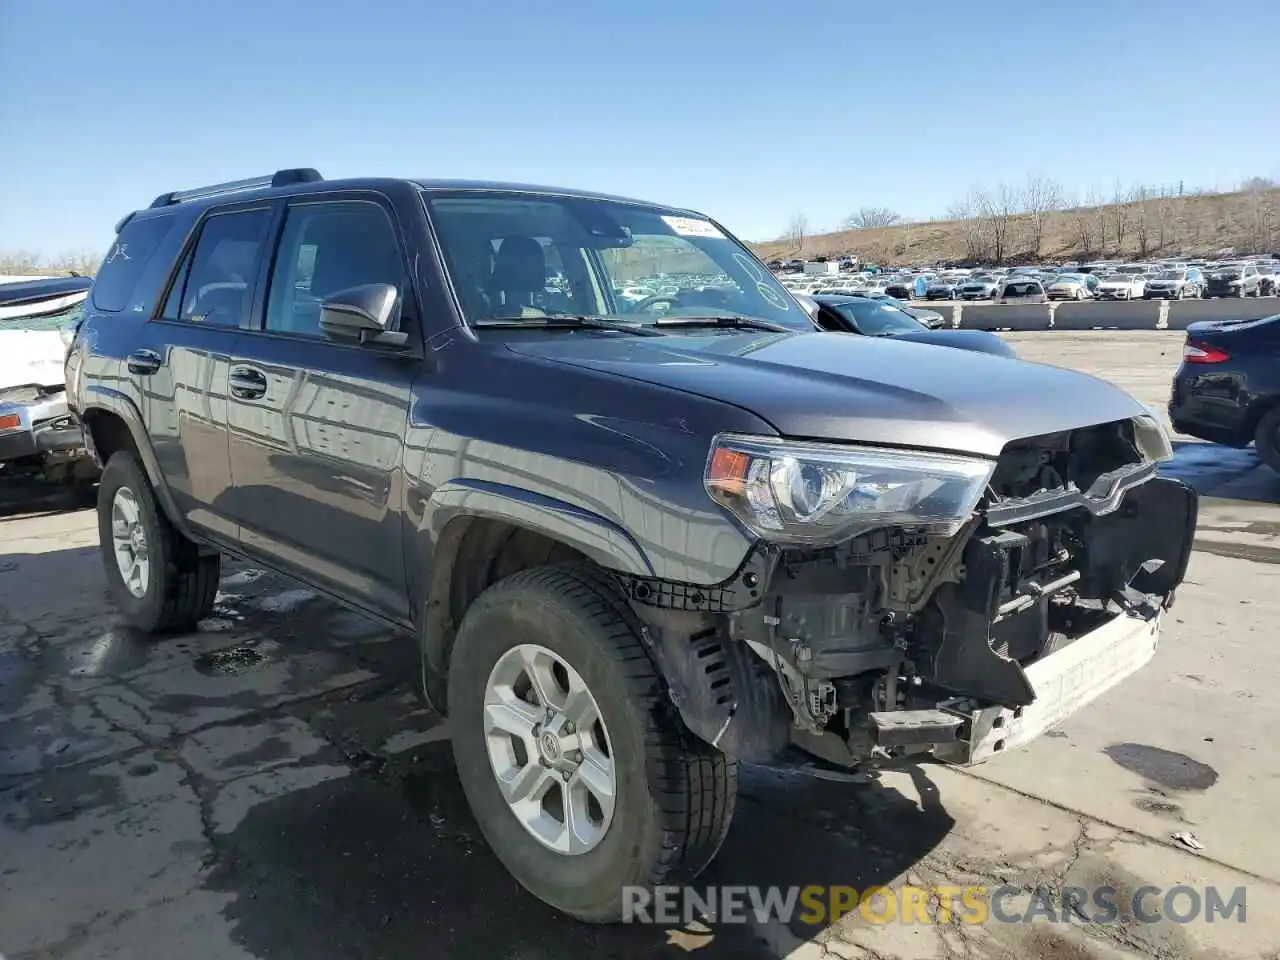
179, 363
317, 426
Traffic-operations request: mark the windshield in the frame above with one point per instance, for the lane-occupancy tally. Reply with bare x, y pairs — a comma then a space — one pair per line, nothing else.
42, 321
877, 319
501, 247
1172, 275
1130, 270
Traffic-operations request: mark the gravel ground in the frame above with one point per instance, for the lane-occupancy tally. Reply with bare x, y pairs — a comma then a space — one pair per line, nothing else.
270, 787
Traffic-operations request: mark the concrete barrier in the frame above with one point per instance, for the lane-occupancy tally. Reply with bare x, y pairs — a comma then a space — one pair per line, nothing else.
1107, 315
1005, 316
1183, 313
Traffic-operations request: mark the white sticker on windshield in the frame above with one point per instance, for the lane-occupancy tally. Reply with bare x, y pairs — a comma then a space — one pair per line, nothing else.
692, 227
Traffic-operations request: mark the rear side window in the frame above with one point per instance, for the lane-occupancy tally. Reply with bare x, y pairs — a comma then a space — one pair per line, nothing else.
122, 267
215, 282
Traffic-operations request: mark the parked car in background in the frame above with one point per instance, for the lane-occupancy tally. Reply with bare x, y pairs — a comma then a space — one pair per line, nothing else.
1268, 279
980, 287
1232, 280
872, 318
1175, 285
930, 319
1073, 286
1122, 286
902, 288
1022, 289
1227, 389
944, 288
39, 439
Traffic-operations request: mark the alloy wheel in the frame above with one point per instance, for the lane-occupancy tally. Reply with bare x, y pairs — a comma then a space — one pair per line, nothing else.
129, 542
549, 749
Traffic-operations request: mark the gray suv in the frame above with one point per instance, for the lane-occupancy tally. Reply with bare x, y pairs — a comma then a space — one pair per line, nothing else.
635, 542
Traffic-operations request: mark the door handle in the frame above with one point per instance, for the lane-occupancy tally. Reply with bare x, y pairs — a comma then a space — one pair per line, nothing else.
143, 362
246, 383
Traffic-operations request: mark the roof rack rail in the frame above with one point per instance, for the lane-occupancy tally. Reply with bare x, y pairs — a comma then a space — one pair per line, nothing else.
281, 178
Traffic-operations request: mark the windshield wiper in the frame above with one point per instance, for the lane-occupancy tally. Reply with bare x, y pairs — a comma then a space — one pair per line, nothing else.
736, 322
565, 321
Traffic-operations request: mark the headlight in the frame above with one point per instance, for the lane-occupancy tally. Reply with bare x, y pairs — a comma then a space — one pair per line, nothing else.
1151, 438
794, 492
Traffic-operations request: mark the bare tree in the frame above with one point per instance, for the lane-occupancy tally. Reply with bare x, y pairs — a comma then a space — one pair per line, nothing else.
20, 262
868, 218
998, 208
1257, 183
1100, 220
81, 262
1121, 215
1163, 214
1262, 214
1143, 218
968, 213
1040, 197
1082, 222
798, 231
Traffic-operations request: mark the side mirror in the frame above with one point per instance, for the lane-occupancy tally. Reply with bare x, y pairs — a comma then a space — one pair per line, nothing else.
363, 314
810, 306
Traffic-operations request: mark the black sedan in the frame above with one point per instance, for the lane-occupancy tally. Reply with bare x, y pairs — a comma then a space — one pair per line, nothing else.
929, 318
875, 318
1227, 389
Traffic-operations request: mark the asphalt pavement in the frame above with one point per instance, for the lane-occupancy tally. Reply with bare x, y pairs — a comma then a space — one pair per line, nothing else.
271, 787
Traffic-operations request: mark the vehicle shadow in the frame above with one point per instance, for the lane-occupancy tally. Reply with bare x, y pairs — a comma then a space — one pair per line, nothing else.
1213, 470
21, 498
389, 863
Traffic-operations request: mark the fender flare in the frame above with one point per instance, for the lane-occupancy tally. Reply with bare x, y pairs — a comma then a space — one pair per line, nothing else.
117, 404
445, 517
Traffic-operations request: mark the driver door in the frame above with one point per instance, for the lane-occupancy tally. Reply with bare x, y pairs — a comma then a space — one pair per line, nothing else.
317, 426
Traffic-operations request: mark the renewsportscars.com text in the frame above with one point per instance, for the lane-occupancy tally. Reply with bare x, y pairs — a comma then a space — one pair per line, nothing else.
938, 904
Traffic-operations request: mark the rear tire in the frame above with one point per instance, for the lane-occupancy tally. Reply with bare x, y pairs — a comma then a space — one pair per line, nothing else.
1266, 438
171, 586
673, 794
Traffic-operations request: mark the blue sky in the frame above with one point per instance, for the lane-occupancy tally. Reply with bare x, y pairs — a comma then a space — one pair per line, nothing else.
750, 111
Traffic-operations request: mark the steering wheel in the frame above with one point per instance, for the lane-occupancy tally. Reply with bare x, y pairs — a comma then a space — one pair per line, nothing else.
642, 305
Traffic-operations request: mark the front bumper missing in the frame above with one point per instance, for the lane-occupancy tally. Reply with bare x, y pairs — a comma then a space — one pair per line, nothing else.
1064, 682
1120, 547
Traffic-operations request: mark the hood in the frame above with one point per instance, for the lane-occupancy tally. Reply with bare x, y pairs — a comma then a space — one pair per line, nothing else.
874, 390
980, 340
31, 356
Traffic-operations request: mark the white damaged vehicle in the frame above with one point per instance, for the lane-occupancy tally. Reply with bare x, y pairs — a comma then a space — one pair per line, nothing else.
39, 438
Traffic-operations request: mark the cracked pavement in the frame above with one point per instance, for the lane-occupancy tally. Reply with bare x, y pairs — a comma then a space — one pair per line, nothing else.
271, 787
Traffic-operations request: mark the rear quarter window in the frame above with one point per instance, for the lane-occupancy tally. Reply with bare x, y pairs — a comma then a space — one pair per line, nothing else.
125, 262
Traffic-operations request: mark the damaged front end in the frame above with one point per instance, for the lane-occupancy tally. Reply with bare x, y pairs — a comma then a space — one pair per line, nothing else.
960, 637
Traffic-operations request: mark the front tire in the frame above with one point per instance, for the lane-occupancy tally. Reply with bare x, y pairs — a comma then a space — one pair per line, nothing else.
159, 580
565, 631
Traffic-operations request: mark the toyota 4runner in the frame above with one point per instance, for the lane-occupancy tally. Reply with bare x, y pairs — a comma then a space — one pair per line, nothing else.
637, 540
